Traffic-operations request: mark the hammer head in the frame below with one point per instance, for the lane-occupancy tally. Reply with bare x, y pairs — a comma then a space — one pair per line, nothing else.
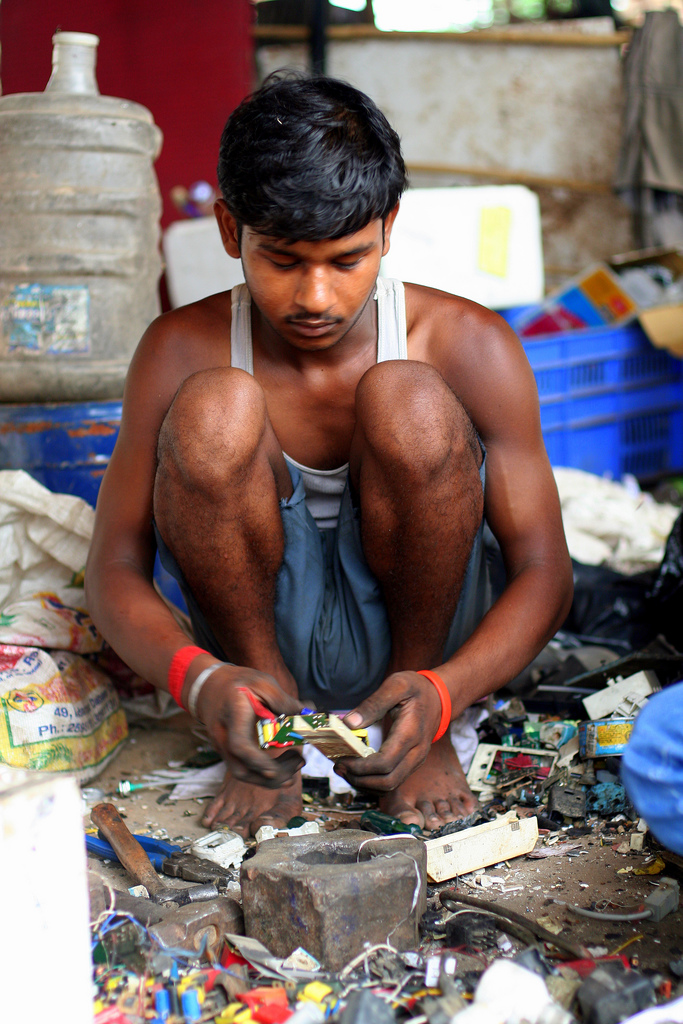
193, 927
200, 927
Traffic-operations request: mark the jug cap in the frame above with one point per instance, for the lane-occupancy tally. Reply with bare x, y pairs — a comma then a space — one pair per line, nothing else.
75, 39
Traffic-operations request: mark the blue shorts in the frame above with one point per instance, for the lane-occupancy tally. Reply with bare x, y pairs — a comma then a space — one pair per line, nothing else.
330, 618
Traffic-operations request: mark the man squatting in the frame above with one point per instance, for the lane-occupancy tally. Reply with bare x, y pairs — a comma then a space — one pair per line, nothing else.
315, 454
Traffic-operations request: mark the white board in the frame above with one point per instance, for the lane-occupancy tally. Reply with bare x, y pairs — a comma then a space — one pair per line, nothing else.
480, 242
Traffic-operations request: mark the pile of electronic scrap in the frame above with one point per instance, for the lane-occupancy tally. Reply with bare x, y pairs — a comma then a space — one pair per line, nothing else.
566, 767
344, 916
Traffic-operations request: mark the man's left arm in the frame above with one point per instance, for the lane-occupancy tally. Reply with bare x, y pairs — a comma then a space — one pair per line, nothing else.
523, 510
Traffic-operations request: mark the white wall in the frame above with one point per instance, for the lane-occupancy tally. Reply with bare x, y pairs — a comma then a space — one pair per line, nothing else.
546, 115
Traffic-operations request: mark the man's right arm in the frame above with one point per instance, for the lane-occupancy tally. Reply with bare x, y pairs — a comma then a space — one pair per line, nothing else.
121, 597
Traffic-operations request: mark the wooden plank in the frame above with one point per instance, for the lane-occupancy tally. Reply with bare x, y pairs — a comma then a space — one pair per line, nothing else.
514, 177
481, 846
515, 37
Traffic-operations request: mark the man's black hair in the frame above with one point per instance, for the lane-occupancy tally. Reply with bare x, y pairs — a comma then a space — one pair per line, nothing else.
309, 158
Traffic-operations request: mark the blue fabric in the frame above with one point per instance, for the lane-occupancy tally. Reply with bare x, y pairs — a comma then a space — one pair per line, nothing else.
652, 766
331, 621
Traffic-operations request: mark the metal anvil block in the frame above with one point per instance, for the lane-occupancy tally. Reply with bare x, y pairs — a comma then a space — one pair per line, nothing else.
334, 893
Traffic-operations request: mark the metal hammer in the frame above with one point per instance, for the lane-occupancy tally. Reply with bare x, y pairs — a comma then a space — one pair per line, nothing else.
194, 927
138, 864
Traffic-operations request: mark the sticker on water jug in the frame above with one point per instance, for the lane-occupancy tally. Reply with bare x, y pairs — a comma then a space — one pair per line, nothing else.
48, 318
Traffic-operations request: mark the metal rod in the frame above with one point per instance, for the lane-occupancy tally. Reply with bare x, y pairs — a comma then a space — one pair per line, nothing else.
319, 37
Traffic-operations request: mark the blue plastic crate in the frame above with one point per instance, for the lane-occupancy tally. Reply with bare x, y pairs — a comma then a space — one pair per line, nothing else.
641, 444
610, 402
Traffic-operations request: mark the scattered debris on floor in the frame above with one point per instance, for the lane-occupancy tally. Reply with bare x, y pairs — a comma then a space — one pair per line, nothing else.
348, 915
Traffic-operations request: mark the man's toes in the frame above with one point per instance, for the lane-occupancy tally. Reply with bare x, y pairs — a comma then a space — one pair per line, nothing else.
396, 806
265, 819
431, 818
411, 818
408, 815
445, 811
232, 821
221, 812
469, 804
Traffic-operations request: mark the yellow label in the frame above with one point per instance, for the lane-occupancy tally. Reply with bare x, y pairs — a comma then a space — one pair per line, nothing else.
494, 239
614, 735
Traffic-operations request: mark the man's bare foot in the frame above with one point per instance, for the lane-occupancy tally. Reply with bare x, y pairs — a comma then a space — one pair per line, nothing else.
435, 793
244, 808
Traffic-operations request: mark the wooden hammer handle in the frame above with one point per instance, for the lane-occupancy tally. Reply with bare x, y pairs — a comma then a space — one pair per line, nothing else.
126, 847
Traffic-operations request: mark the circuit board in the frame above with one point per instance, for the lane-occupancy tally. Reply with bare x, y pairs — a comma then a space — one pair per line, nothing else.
327, 733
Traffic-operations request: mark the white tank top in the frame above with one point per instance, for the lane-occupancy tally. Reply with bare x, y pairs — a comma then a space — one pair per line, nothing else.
324, 487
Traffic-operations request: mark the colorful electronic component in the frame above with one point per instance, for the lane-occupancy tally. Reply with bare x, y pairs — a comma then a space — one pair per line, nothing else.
325, 732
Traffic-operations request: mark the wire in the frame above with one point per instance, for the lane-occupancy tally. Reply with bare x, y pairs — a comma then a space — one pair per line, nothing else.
114, 918
598, 915
364, 957
625, 945
451, 896
603, 915
390, 856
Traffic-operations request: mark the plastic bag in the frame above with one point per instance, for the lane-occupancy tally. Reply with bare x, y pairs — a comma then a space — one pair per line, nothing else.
634, 609
665, 600
609, 606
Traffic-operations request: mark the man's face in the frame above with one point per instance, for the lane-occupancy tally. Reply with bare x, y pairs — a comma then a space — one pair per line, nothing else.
310, 293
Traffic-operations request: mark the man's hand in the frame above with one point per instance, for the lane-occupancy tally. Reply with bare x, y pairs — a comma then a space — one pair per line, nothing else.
415, 708
231, 723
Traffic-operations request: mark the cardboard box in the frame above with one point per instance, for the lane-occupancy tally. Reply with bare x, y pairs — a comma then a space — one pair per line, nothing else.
662, 324
598, 298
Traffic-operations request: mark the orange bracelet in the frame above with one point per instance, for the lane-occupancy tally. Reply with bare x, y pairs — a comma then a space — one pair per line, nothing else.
176, 674
444, 697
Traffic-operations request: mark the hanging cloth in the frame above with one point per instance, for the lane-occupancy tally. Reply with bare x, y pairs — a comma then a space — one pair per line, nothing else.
650, 167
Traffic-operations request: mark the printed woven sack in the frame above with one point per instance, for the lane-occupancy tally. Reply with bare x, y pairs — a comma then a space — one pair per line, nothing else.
59, 711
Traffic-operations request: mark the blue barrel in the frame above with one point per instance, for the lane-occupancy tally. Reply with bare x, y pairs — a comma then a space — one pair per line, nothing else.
66, 446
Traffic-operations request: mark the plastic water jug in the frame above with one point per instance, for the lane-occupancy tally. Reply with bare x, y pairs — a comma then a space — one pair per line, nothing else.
79, 233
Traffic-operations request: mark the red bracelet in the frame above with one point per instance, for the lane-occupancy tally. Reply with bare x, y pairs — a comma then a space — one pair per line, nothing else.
444, 697
179, 665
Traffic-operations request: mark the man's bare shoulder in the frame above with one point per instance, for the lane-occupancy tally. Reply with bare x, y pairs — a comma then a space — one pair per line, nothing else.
202, 325
438, 319
473, 348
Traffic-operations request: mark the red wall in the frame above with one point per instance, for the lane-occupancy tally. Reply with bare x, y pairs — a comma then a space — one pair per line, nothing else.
189, 62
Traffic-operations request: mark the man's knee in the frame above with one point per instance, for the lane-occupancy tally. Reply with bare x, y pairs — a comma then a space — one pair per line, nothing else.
409, 415
212, 428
